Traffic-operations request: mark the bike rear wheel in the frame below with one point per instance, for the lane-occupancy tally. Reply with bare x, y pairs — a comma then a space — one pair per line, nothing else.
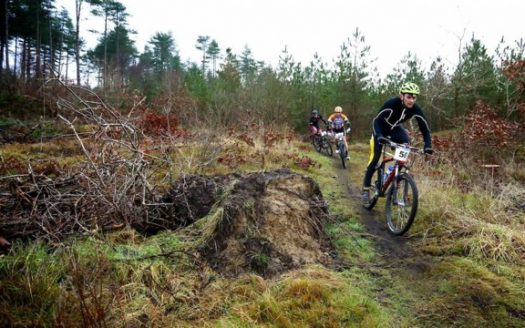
401, 204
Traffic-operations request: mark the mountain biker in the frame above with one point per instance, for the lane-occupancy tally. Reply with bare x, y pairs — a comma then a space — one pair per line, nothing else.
313, 124
387, 124
337, 122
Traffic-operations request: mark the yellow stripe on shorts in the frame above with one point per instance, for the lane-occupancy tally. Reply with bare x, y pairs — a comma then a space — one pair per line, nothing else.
372, 150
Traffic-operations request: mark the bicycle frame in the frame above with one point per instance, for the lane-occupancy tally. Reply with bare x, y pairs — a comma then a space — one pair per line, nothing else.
317, 137
398, 167
338, 137
340, 146
399, 188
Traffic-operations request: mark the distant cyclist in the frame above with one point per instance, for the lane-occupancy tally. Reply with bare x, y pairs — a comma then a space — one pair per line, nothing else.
387, 124
314, 123
337, 122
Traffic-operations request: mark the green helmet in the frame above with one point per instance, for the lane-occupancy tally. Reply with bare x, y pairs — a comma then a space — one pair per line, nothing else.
409, 87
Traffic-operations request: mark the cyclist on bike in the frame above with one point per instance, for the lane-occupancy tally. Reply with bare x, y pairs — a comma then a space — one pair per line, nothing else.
337, 122
387, 124
313, 124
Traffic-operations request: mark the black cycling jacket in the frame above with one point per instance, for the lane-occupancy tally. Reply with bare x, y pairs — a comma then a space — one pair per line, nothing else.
315, 121
393, 113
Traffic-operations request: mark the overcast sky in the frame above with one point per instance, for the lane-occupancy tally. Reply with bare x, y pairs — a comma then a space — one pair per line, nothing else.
392, 28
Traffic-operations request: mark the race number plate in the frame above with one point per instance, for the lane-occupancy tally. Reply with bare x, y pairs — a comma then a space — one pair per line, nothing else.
401, 154
339, 135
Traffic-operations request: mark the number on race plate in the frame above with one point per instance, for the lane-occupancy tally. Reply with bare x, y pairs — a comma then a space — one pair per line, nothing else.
401, 154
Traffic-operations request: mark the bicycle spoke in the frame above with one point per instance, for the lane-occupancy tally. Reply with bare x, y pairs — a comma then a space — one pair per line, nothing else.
318, 143
401, 205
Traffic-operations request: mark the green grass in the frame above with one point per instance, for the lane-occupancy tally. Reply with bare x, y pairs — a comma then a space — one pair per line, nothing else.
29, 284
312, 297
477, 240
458, 291
469, 273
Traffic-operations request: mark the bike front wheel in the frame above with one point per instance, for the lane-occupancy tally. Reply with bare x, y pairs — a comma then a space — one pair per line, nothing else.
317, 142
401, 204
342, 154
327, 148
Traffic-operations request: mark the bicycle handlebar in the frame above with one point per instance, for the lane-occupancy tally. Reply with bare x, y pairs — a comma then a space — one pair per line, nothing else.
388, 142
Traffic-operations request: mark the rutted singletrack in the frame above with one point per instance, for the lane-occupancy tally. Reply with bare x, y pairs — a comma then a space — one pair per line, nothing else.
395, 251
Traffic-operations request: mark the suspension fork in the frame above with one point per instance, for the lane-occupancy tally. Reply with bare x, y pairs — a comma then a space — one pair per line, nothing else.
395, 173
399, 168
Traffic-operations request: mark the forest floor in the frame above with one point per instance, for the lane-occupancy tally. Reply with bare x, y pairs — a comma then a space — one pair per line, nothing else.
265, 237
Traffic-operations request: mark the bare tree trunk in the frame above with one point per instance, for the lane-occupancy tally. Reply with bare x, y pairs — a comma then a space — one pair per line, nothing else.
77, 41
23, 61
28, 61
67, 68
119, 69
51, 51
3, 38
38, 63
5, 42
59, 59
105, 73
16, 56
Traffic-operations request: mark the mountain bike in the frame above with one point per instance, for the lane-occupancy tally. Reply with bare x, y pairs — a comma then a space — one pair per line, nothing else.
399, 187
340, 146
322, 144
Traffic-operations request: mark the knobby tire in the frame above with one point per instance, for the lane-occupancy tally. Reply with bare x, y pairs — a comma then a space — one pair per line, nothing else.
342, 154
326, 146
317, 143
401, 207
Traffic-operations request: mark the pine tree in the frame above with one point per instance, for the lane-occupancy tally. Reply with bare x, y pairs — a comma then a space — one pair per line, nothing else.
474, 78
202, 45
213, 52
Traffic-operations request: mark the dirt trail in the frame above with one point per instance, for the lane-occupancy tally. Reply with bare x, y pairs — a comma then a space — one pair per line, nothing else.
395, 251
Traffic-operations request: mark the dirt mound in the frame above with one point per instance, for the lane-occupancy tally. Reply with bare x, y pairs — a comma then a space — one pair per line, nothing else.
264, 222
